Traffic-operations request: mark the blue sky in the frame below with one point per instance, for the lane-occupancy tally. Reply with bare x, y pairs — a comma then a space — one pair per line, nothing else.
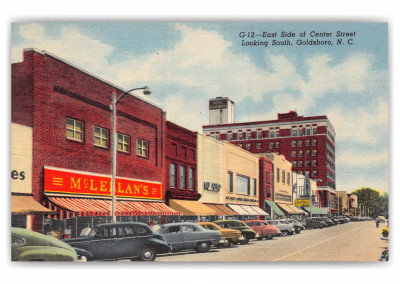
186, 64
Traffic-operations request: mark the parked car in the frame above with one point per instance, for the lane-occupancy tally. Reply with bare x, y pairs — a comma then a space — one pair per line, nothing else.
187, 235
284, 227
27, 245
125, 240
296, 224
315, 222
246, 231
385, 255
263, 229
340, 219
385, 232
231, 236
328, 221
333, 220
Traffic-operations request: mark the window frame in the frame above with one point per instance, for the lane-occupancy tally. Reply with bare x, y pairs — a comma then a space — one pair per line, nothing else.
74, 131
138, 148
107, 138
123, 143
182, 177
172, 177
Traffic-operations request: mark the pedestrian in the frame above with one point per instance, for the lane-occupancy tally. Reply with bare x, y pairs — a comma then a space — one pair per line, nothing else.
67, 233
85, 231
377, 221
155, 226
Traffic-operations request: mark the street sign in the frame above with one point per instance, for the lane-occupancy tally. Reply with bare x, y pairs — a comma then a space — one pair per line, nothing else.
302, 202
307, 184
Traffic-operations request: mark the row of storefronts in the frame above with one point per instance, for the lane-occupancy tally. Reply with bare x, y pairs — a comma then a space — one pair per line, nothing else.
61, 159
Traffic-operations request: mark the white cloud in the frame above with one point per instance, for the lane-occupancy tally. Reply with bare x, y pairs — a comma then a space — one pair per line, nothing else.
355, 181
365, 160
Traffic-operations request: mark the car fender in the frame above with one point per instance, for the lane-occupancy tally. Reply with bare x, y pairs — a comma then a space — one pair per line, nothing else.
160, 245
83, 252
47, 254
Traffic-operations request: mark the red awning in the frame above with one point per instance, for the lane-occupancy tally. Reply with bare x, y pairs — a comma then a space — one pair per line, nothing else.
90, 207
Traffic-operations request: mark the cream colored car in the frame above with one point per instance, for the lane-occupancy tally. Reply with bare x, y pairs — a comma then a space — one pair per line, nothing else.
230, 236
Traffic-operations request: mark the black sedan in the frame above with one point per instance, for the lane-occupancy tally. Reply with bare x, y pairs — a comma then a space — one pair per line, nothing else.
113, 241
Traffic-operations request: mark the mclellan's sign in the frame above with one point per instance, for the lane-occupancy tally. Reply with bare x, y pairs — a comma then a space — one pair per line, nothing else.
76, 182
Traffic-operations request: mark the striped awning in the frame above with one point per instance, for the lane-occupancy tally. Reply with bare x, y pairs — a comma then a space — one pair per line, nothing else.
92, 207
238, 209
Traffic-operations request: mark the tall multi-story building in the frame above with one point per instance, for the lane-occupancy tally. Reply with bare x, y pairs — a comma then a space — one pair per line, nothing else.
307, 142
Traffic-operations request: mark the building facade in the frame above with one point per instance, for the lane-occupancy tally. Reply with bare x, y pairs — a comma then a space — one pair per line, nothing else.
307, 142
181, 163
228, 175
68, 110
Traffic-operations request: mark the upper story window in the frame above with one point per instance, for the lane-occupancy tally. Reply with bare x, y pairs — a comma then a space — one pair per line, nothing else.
314, 142
248, 146
314, 152
277, 133
191, 178
248, 135
272, 134
254, 187
294, 164
123, 143
229, 137
271, 145
142, 148
182, 177
277, 174
314, 131
300, 153
100, 136
172, 175
283, 177
258, 145
259, 134
294, 132
230, 182
294, 144
74, 129
288, 178
307, 142
293, 153
277, 144
300, 143
308, 131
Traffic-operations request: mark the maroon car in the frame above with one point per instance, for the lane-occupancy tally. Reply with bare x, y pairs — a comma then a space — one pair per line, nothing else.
263, 229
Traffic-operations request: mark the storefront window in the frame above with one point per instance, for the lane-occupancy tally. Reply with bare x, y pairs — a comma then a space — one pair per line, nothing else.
242, 185
230, 182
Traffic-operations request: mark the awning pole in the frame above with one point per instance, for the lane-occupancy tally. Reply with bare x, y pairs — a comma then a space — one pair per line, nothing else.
76, 227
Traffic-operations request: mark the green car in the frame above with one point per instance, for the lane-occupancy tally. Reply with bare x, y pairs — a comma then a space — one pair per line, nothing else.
31, 246
247, 232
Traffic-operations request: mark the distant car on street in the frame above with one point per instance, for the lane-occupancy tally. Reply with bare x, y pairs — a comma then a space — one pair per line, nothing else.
296, 224
328, 221
263, 229
27, 245
231, 236
283, 226
187, 235
246, 231
340, 219
124, 240
315, 223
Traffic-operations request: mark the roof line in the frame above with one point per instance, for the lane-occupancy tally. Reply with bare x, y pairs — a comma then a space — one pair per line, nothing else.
44, 52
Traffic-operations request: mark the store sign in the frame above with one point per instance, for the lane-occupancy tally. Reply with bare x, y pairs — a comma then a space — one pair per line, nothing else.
211, 186
302, 202
75, 182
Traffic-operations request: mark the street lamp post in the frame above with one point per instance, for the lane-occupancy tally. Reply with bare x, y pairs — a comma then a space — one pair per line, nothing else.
114, 143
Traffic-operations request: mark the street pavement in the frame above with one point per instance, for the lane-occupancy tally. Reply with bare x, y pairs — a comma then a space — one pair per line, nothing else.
353, 241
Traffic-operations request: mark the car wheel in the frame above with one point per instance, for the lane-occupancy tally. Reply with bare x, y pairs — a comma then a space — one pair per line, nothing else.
203, 247
228, 243
298, 231
291, 233
259, 238
284, 233
269, 237
147, 254
245, 241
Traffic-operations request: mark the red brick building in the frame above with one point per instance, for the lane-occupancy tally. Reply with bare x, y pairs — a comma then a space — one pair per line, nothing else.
308, 142
68, 110
266, 178
181, 163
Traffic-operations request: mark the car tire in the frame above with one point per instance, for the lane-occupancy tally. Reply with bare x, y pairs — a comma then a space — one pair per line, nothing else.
227, 244
147, 254
284, 233
298, 231
203, 247
259, 238
269, 237
291, 233
245, 241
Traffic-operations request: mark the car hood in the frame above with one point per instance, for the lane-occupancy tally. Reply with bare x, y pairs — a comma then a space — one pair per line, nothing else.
230, 231
76, 240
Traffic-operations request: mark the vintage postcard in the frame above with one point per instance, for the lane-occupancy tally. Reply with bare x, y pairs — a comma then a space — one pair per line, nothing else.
199, 141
